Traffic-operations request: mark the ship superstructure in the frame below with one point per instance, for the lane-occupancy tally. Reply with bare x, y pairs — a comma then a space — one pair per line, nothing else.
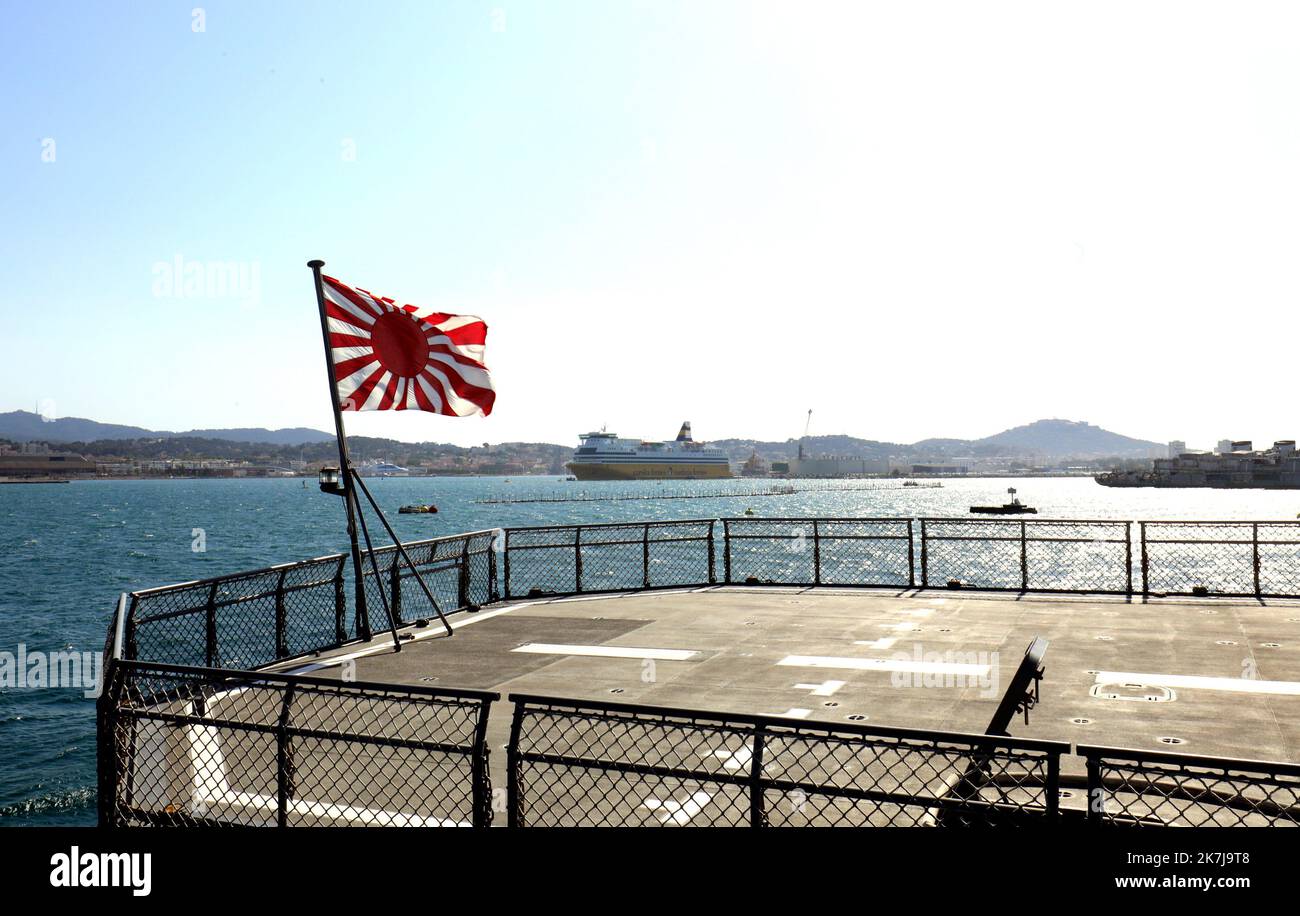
605, 456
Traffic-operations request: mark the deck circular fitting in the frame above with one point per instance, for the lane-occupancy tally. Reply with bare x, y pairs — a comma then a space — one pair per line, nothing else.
1081, 721
1225, 642
856, 717
1171, 740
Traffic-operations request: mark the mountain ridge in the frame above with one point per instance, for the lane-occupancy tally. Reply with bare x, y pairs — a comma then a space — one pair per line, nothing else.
1049, 438
25, 426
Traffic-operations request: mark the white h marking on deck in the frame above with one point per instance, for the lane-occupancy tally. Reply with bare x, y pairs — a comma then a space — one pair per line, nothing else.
884, 664
665, 655
824, 689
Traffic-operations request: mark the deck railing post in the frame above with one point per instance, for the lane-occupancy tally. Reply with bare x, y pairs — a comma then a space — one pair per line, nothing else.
713, 575
281, 621
577, 558
1254, 540
505, 562
493, 593
340, 605
645, 555
1024, 559
817, 554
925, 557
283, 761
911, 557
757, 814
1096, 796
726, 551
463, 578
482, 789
1128, 558
395, 588
210, 630
106, 741
1053, 788
514, 771
1142, 535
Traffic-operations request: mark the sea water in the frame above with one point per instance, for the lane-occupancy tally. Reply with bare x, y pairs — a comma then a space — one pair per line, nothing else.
67, 551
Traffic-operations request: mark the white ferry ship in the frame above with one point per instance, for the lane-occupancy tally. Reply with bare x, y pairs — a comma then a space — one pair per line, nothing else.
604, 456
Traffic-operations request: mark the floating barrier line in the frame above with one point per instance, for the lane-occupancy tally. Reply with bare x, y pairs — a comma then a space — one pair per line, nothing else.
714, 494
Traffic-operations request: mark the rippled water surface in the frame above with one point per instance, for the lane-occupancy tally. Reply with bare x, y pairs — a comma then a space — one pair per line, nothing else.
66, 551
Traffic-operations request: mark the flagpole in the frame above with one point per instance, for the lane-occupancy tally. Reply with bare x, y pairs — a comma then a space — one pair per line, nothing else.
345, 466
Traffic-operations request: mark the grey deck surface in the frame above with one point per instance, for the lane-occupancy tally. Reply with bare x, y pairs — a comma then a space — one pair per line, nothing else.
740, 634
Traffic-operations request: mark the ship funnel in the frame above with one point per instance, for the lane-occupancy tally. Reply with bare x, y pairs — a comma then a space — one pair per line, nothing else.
684, 434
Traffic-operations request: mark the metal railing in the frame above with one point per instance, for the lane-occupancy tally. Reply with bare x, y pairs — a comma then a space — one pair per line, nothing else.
579, 763
1128, 787
586, 559
186, 746
819, 551
1237, 559
1022, 555
253, 619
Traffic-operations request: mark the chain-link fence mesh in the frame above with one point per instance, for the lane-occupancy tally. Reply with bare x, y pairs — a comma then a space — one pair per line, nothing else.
252, 619
574, 763
459, 571
575, 559
1133, 788
1020, 555
812, 551
1255, 559
185, 746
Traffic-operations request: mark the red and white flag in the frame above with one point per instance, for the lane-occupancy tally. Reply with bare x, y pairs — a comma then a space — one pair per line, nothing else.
400, 357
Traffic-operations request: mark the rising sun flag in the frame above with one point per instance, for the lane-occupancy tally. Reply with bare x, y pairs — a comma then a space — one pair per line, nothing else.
401, 357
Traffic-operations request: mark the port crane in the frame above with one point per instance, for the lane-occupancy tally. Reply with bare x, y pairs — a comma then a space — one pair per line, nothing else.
807, 423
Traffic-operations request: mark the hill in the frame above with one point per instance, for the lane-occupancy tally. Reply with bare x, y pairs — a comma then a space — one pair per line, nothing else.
24, 426
1047, 439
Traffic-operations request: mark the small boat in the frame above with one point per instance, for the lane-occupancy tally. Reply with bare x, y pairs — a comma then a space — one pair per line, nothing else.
1015, 507
430, 509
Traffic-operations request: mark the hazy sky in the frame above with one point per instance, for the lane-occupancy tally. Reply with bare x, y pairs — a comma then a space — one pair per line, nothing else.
918, 219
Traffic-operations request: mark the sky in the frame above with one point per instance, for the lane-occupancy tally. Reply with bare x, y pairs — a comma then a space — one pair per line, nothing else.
920, 219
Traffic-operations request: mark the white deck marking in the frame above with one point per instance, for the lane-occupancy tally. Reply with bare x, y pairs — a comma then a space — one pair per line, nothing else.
883, 643
1193, 682
824, 689
883, 664
666, 655
737, 760
680, 813
793, 712
900, 627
